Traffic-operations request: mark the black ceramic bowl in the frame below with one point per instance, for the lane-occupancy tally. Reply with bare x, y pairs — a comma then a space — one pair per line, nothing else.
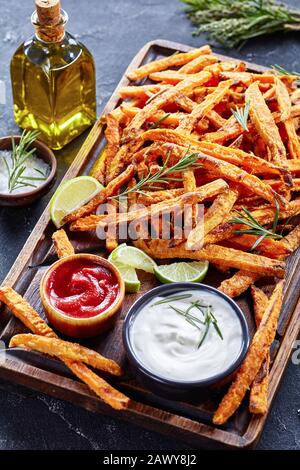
171, 388
28, 197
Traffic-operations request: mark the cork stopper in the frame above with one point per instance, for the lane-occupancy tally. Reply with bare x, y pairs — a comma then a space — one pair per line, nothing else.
50, 27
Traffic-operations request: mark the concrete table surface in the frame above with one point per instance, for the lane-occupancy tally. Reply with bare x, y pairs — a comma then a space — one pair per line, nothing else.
114, 31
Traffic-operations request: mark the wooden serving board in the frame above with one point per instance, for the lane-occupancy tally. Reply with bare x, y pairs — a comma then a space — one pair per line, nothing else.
190, 421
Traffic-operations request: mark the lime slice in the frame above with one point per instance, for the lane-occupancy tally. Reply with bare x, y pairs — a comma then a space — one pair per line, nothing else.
71, 195
133, 257
129, 276
195, 271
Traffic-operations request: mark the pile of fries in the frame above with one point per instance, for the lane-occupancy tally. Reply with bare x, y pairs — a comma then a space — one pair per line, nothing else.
241, 129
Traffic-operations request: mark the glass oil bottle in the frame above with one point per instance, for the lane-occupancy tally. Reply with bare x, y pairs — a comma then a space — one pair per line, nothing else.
53, 79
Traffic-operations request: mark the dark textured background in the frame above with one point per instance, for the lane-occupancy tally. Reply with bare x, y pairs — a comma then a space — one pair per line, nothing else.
114, 31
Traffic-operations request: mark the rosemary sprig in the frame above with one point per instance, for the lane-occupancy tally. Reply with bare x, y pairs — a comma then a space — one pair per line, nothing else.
20, 153
283, 71
233, 22
241, 115
209, 318
255, 228
156, 124
162, 176
172, 298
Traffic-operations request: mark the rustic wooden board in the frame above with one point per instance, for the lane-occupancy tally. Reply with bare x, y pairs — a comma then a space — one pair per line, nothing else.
190, 421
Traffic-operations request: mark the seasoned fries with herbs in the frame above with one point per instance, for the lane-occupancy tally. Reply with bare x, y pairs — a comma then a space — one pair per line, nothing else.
195, 129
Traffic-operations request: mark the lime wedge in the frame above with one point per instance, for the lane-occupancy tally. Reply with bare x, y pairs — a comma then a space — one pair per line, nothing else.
71, 195
129, 276
133, 257
195, 271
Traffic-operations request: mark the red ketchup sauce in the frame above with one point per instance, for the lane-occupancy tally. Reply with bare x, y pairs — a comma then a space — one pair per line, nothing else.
82, 289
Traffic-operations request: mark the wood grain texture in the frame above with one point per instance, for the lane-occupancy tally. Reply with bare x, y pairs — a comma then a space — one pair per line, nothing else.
190, 421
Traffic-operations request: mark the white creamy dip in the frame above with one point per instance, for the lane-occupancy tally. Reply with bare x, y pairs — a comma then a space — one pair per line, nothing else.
166, 344
35, 168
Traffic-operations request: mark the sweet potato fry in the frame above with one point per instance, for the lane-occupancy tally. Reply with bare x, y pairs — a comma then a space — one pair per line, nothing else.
201, 110
263, 121
228, 257
65, 350
142, 91
171, 77
189, 185
258, 349
238, 283
99, 168
24, 312
167, 96
92, 222
237, 157
293, 140
223, 169
292, 240
264, 216
267, 247
100, 198
31, 319
167, 62
112, 134
198, 64
283, 99
62, 244
259, 391
221, 206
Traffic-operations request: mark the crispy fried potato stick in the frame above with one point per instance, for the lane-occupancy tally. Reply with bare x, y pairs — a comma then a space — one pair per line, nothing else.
293, 140
31, 319
167, 62
62, 244
142, 91
221, 168
110, 190
198, 64
232, 129
238, 283
283, 99
262, 119
259, 391
285, 109
267, 247
200, 111
113, 134
189, 185
171, 77
99, 167
230, 155
227, 257
258, 349
221, 206
160, 100
25, 313
264, 216
91, 222
292, 239
65, 350
153, 197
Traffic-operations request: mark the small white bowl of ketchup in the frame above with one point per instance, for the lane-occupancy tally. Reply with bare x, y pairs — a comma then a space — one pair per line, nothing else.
82, 294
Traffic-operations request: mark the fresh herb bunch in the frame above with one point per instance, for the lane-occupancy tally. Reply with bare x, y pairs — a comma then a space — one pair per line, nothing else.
162, 176
232, 22
21, 153
255, 228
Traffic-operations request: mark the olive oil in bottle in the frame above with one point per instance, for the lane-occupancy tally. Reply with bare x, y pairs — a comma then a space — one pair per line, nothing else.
53, 79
